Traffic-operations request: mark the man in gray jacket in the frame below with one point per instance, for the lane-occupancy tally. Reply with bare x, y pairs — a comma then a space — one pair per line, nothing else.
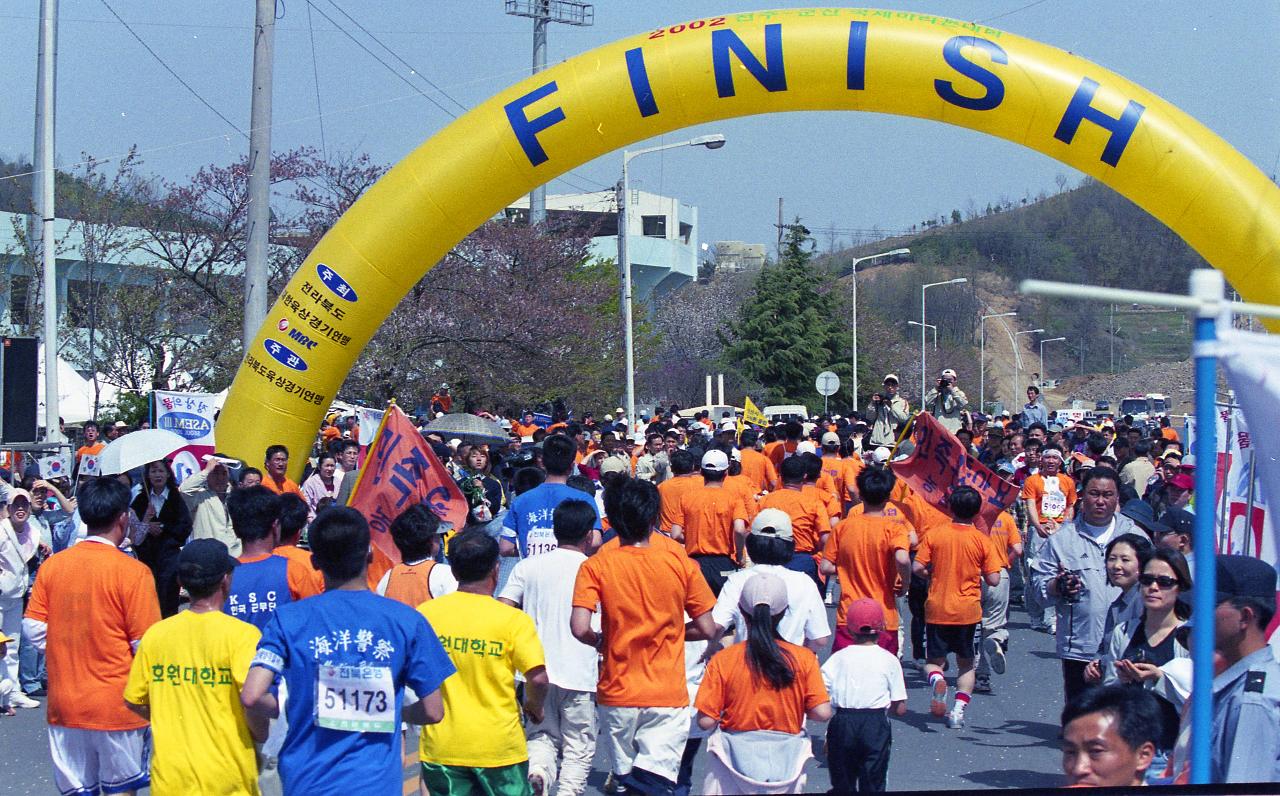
947, 402
886, 413
1070, 573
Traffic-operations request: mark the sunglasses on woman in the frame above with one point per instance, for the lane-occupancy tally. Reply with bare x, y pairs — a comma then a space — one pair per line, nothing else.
1163, 581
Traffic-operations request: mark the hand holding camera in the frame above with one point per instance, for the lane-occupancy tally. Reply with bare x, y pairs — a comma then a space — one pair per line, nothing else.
1070, 586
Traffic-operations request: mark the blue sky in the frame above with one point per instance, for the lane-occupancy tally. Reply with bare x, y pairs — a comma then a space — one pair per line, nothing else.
855, 171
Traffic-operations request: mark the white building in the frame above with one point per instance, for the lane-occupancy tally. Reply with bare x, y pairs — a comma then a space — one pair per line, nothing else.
662, 234
734, 256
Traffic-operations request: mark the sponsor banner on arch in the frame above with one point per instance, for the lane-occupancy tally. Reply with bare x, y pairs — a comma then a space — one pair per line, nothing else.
190, 415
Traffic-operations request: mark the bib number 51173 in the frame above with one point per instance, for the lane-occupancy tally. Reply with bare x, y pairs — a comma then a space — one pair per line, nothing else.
355, 699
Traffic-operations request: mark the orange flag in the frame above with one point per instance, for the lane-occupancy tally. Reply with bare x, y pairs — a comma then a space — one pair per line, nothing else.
400, 471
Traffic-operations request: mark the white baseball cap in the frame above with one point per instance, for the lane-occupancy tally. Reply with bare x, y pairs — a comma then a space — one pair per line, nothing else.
806, 447
830, 438
880, 455
772, 522
948, 373
715, 461
728, 425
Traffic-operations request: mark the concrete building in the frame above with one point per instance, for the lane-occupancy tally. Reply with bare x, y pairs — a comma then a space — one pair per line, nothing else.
734, 256
662, 234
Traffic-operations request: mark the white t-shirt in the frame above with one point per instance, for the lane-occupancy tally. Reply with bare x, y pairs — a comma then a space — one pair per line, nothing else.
806, 616
441, 580
542, 586
864, 677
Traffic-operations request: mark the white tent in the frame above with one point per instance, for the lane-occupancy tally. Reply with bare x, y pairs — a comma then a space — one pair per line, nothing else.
75, 392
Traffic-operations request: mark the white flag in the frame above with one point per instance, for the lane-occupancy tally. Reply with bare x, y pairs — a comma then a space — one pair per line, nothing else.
369, 420
1252, 364
89, 465
57, 466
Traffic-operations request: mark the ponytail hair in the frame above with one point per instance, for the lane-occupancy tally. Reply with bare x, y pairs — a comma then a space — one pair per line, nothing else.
765, 658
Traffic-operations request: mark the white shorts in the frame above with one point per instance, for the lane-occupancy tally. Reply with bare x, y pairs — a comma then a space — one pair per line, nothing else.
110, 761
651, 739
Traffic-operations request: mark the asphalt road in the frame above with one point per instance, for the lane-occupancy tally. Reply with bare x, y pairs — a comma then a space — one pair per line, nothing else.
1010, 740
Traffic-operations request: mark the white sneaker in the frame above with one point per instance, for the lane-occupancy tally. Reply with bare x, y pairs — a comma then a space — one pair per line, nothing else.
955, 719
994, 651
21, 700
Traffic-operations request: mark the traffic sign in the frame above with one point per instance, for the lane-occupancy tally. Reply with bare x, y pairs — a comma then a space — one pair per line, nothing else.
828, 383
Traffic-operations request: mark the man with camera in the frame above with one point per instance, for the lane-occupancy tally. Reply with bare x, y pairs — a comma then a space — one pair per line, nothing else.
947, 403
887, 412
1070, 573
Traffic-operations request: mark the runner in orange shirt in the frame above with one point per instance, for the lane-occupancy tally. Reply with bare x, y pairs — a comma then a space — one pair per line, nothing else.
685, 477
293, 519
645, 593
274, 467
781, 449
712, 522
757, 467
89, 608
810, 520
1006, 543
956, 558
869, 550
738, 482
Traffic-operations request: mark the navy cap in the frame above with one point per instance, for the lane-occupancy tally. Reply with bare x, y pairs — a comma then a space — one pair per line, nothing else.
1140, 512
1179, 521
204, 560
1245, 576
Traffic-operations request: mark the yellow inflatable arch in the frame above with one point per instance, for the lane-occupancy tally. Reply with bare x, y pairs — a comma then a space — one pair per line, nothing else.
716, 68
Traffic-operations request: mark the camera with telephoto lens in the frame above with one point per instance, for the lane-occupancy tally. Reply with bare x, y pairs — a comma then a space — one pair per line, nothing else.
1070, 586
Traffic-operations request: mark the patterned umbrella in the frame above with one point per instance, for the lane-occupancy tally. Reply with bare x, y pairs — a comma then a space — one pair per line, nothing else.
468, 428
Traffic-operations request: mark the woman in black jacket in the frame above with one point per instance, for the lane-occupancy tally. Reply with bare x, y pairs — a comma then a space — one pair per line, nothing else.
168, 524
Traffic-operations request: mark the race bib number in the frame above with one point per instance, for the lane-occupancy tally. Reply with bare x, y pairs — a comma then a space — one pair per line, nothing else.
356, 699
540, 540
1053, 505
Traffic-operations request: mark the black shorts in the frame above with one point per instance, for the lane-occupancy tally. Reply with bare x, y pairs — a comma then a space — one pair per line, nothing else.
941, 640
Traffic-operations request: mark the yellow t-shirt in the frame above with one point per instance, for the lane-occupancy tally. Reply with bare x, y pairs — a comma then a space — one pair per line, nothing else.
189, 669
488, 642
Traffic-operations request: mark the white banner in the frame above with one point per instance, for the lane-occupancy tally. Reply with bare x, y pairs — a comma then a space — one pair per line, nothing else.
369, 420
89, 465
1252, 365
190, 415
57, 466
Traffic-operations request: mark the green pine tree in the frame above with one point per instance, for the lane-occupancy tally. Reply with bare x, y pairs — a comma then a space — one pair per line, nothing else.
791, 329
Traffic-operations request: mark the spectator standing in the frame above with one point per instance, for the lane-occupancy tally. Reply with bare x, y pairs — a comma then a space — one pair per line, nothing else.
1138, 473
887, 414
479, 746
346, 637
1108, 737
1071, 574
542, 587
161, 509
194, 665
956, 558
205, 493
90, 607
323, 483
20, 544
275, 465
946, 402
865, 683
644, 588
92, 444
1034, 410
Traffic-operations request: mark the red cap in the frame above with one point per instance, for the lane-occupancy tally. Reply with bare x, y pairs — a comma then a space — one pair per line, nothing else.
865, 616
1182, 481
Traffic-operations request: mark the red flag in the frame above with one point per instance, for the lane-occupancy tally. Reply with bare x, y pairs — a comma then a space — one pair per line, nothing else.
400, 471
940, 463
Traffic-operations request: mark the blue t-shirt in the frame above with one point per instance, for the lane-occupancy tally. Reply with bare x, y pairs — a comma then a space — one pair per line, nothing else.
528, 523
258, 589
355, 631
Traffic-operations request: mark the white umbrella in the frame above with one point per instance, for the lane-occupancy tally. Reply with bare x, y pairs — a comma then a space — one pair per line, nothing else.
138, 448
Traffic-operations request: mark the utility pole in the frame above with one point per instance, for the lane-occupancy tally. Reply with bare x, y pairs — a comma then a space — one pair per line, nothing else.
779, 253
544, 12
255, 267
42, 201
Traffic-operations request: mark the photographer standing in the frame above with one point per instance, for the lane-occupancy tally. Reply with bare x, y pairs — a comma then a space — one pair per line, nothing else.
1070, 572
886, 413
948, 403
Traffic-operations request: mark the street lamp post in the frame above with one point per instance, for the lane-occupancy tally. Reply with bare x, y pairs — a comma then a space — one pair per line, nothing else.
1042, 342
982, 358
1017, 361
927, 326
853, 279
923, 288
624, 192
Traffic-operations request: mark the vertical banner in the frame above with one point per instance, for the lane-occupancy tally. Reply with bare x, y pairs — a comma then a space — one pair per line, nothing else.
1252, 365
939, 463
190, 415
401, 470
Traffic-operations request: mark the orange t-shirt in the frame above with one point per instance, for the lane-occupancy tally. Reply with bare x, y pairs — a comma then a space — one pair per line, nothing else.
310, 581
330, 433
1169, 434
808, 513
1004, 535
853, 466
777, 451
1034, 490
96, 602
643, 595
89, 450
706, 516
742, 701
747, 490
280, 489
961, 555
918, 512
671, 490
862, 548
758, 469
410, 583
828, 500
521, 430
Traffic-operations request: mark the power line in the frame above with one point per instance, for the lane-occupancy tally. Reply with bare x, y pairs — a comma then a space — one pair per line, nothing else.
315, 72
169, 69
